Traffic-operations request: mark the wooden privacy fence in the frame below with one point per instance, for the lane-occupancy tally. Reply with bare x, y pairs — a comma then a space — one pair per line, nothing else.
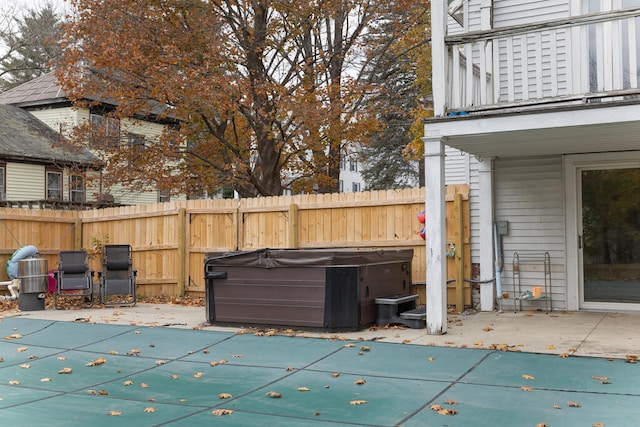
170, 240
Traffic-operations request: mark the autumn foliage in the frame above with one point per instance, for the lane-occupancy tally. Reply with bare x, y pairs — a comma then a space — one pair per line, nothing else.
270, 94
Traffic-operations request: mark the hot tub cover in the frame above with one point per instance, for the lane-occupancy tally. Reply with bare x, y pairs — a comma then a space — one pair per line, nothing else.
282, 258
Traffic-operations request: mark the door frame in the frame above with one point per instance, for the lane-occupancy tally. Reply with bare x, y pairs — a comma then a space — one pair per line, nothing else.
573, 165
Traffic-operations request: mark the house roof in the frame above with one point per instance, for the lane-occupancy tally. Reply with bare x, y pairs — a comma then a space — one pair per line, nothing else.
25, 138
41, 90
45, 90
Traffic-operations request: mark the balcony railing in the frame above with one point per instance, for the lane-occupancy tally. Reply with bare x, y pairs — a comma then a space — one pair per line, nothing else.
589, 58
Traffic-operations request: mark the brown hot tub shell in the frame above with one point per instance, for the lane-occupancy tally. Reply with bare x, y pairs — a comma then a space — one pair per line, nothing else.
314, 288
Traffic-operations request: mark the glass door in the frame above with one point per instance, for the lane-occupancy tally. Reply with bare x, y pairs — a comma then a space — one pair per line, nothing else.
610, 237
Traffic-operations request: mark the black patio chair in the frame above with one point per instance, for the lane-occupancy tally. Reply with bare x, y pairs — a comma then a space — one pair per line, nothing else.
117, 278
74, 279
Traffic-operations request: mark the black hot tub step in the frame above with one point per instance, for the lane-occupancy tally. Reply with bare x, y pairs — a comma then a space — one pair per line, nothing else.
416, 318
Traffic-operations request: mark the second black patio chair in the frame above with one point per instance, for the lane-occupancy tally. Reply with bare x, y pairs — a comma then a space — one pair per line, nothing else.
73, 278
117, 278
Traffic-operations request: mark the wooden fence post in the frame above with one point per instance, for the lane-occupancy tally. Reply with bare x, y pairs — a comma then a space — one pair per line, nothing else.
293, 226
77, 234
182, 250
458, 256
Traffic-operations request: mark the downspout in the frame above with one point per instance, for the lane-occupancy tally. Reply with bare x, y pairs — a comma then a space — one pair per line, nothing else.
498, 266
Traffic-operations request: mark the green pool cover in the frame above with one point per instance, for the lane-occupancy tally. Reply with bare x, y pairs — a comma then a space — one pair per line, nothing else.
81, 374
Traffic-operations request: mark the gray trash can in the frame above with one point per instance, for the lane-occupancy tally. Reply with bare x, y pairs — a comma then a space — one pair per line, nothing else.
34, 275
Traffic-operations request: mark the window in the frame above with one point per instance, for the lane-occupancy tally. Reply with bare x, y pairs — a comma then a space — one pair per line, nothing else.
135, 140
105, 131
76, 189
343, 164
353, 166
54, 185
163, 196
355, 186
341, 186
3, 190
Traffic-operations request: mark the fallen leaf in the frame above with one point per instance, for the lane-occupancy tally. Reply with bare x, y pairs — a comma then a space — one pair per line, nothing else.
150, 409
365, 348
113, 352
335, 374
133, 352
274, 394
542, 425
14, 382
62, 358
597, 425
350, 345
528, 377
358, 402
174, 377
15, 336
551, 347
46, 380
25, 366
289, 368
431, 359
128, 383
99, 361
221, 412
478, 343
487, 328
224, 396
574, 404
197, 375
22, 349
65, 371
557, 407
303, 388
160, 362
360, 382
447, 411
564, 355
114, 413
144, 385
451, 402
526, 388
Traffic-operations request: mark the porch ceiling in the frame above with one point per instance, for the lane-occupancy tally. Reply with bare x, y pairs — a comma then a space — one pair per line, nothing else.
537, 133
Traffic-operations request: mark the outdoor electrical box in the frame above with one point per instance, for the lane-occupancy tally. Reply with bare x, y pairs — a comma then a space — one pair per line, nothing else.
503, 227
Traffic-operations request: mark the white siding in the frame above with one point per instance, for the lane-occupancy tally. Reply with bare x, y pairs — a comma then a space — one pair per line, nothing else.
529, 195
456, 168
25, 181
518, 12
59, 119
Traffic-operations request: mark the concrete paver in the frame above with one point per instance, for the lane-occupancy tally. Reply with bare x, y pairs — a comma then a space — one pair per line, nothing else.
597, 334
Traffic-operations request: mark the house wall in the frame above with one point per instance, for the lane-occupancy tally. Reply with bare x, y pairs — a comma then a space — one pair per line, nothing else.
20, 174
529, 195
65, 118
518, 12
59, 119
456, 168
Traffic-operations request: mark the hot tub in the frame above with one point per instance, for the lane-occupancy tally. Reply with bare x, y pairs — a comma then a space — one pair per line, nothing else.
316, 288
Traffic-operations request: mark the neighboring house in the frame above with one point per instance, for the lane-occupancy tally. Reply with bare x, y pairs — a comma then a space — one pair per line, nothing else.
44, 98
36, 168
544, 96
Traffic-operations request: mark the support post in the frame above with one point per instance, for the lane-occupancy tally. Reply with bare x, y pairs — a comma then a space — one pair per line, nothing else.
293, 226
487, 265
459, 254
435, 236
182, 251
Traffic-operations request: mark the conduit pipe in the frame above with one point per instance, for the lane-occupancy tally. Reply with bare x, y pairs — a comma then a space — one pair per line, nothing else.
13, 289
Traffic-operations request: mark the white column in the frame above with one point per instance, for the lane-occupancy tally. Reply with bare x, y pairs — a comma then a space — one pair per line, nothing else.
439, 62
487, 265
435, 236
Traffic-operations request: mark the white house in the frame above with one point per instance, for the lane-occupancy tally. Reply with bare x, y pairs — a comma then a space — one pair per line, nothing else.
543, 96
